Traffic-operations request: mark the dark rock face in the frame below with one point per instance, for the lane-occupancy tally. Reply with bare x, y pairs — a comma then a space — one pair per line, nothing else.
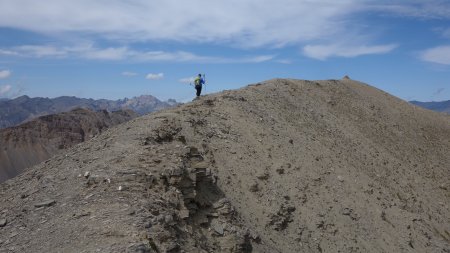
37, 140
22, 109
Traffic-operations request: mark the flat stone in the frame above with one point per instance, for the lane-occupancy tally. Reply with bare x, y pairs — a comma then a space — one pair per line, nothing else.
217, 227
347, 211
3, 222
220, 203
45, 203
215, 215
263, 176
201, 165
184, 213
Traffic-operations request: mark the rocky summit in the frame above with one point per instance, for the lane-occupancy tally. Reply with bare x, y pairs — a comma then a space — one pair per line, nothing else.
278, 166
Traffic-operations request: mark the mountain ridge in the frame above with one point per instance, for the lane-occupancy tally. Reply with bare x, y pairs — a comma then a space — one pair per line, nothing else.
442, 106
279, 166
23, 108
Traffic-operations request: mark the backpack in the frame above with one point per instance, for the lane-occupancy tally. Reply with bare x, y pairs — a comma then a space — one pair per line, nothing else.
198, 82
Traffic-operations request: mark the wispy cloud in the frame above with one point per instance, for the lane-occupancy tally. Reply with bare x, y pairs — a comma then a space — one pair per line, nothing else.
5, 89
4, 74
152, 76
128, 73
187, 80
253, 24
39, 51
322, 52
430, 9
7, 52
439, 55
91, 52
111, 53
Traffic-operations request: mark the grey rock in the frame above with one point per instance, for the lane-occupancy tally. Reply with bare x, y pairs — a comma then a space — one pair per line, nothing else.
3, 222
140, 248
347, 211
176, 171
168, 219
184, 214
46, 203
220, 203
263, 176
217, 227
254, 187
172, 247
201, 165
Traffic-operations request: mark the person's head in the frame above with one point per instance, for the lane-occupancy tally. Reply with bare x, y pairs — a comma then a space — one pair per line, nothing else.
200, 75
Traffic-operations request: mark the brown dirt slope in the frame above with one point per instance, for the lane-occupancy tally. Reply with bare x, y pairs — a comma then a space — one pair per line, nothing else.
281, 166
28, 144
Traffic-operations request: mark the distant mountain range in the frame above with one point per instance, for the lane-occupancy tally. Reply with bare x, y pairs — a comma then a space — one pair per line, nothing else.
39, 139
443, 106
22, 109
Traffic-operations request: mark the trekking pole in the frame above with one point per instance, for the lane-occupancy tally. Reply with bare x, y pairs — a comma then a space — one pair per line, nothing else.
204, 79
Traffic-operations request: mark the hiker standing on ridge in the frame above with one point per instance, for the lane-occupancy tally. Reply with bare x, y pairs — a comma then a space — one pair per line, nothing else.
199, 81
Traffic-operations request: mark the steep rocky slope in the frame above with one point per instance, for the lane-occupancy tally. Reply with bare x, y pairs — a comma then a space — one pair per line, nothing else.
281, 166
37, 140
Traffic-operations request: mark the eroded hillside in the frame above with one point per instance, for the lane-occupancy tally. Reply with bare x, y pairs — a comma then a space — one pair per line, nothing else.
33, 142
281, 166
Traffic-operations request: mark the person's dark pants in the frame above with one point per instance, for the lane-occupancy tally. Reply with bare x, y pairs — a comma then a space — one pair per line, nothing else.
199, 90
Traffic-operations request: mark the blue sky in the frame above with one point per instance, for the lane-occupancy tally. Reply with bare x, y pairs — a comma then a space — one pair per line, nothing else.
124, 48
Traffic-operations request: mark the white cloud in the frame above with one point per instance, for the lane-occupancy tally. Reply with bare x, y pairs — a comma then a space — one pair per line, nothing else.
90, 52
152, 76
240, 23
439, 55
7, 52
187, 80
111, 53
256, 59
4, 74
246, 23
128, 73
39, 51
322, 52
5, 89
